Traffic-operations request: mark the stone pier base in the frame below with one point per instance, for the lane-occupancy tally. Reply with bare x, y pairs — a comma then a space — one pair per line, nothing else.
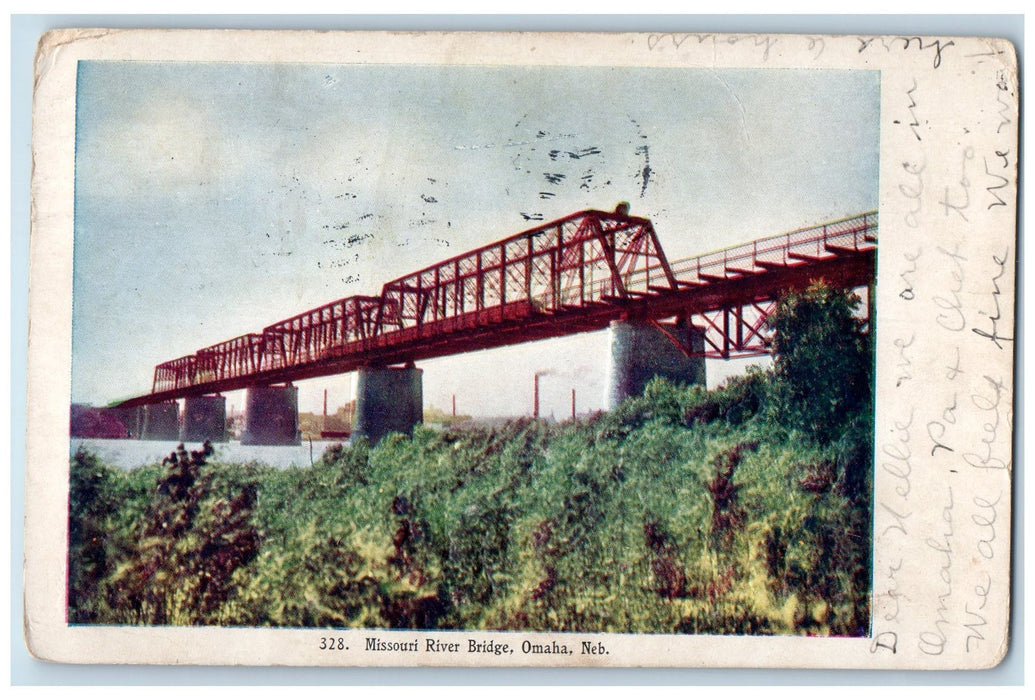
160, 421
388, 400
640, 352
271, 416
133, 419
204, 418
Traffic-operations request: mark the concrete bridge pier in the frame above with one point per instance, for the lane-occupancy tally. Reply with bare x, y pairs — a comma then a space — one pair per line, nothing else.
160, 421
132, 418
204, 418
271, 416
388, 400
640, 352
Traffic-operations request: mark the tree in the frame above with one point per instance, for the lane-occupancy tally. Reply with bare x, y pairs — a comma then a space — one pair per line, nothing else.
822, 360
93, 497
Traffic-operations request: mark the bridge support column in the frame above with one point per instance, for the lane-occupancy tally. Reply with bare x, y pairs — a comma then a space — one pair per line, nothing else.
640, 352
132, 418
271, 416
204, 418
388, 400
160, 421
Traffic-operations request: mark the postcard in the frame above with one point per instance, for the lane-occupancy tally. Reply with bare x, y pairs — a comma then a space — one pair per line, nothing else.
556, 349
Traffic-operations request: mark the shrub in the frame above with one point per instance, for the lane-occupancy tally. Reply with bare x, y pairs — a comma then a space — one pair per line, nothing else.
822, 363
736, 402
93, 541
195, 534
685, 510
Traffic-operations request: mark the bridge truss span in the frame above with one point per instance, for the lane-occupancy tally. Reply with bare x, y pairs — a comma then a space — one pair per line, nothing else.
738, 287
575, 274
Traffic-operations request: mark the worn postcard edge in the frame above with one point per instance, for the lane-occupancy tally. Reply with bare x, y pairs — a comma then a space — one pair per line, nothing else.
948, 130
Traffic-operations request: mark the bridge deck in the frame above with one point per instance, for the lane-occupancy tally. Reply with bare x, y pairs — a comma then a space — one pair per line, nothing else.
568, 276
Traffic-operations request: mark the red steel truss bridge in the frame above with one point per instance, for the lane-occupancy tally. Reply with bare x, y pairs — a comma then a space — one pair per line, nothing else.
572, 275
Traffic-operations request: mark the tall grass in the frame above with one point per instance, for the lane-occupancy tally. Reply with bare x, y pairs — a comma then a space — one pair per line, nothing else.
683, 511
743, 510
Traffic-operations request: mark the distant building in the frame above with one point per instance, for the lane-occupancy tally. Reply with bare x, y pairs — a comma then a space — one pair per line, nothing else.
333, 425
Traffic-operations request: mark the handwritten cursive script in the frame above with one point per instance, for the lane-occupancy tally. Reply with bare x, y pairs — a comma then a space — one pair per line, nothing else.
952, 318
962, 201
914, 190
989, 403
932, 642
995, 315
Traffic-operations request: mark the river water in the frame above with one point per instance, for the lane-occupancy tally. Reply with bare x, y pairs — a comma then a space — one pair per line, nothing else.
129, 454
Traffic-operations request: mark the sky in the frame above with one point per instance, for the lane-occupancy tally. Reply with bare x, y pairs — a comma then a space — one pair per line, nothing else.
213, 199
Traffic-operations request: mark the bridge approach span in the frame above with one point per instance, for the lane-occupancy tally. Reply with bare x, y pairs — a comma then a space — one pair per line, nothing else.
585, 272
576, 274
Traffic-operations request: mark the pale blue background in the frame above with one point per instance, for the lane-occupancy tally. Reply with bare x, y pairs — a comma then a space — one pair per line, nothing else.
214, 199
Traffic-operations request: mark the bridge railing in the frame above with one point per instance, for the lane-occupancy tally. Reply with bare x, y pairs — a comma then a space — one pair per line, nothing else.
587, 259
788, 249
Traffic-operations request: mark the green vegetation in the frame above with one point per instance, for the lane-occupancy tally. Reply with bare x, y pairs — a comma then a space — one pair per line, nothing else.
685, 510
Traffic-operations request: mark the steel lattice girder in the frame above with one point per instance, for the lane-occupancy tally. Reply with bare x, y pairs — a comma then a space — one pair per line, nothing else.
735, 331
574, 261
572, 275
